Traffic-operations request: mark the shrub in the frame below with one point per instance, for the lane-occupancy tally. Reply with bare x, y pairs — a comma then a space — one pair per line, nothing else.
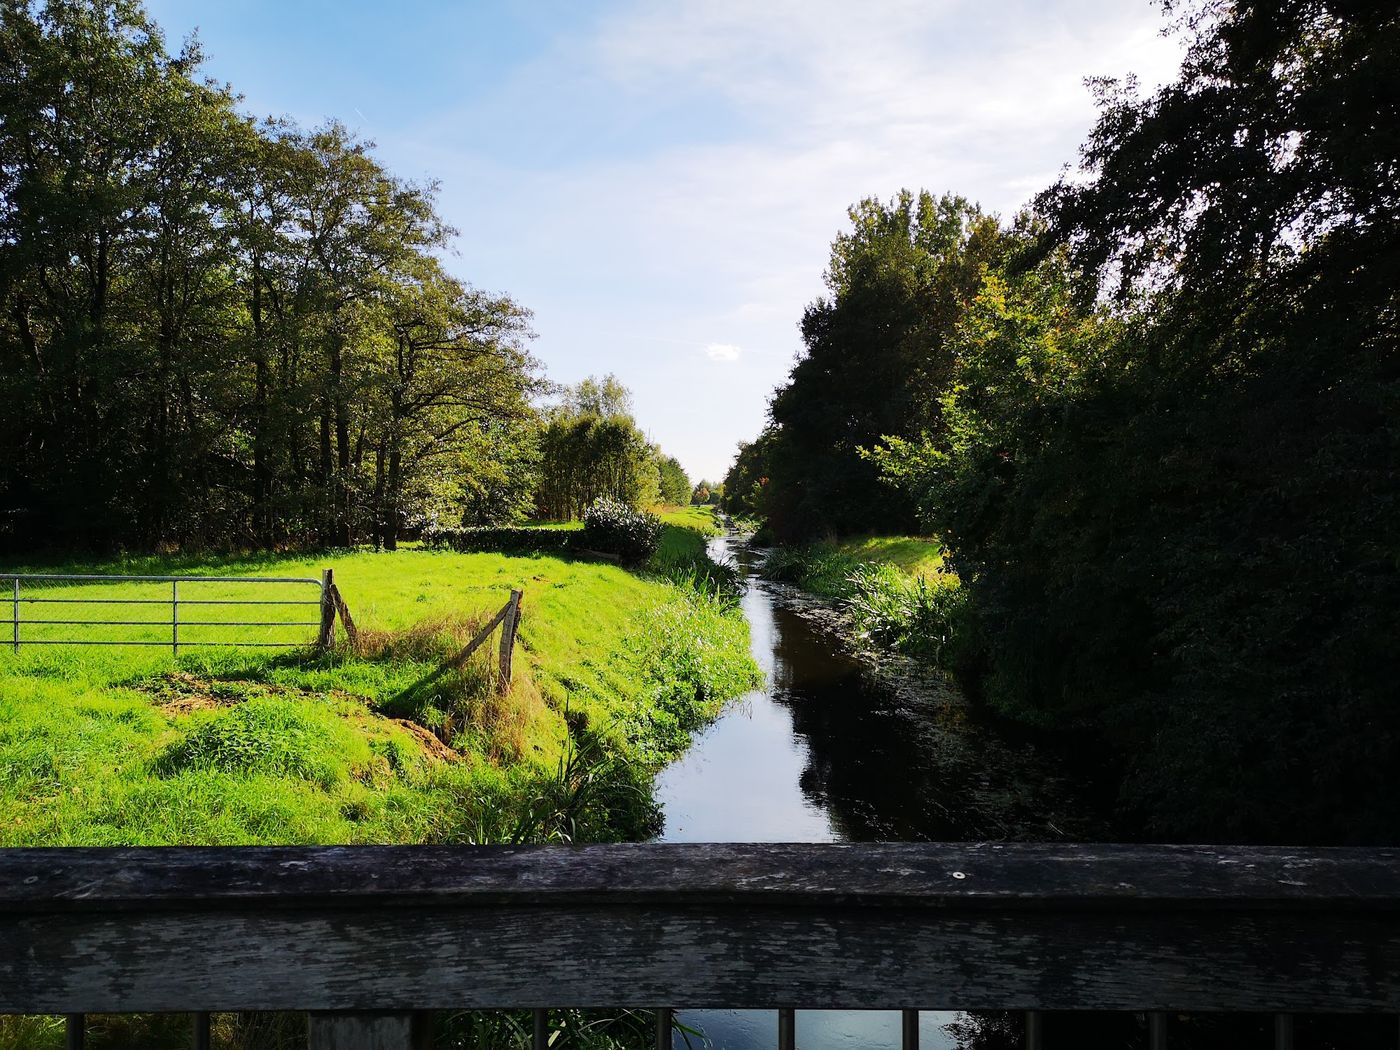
613, 527
506, 539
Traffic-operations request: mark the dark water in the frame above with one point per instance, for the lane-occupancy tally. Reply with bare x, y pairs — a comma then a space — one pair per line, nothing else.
833, 751
830, 752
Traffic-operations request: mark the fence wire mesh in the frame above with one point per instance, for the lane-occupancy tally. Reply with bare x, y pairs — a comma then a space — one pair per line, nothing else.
174, 612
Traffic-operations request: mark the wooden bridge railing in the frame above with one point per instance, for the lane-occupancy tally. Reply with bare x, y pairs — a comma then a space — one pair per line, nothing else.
396, 930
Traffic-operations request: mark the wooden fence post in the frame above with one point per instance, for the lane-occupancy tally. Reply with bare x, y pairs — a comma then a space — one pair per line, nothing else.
352, 633
326, 638
508, 625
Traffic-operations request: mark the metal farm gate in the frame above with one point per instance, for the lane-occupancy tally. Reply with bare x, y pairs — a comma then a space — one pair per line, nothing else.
173, 611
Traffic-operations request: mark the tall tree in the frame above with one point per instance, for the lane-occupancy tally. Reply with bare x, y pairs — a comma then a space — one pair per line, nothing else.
590, 447
875, 360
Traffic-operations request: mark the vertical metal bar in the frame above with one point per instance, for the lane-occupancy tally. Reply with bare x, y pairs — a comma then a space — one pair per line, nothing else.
16, 614
540, 1040
201, 1031
73, 1032
1283, 1032
911, 1030
175, 617
787, 1030
664, 1025
1157, 1030
1035, 1030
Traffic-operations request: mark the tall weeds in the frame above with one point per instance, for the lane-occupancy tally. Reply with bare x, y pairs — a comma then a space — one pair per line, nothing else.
463, 703
918, 615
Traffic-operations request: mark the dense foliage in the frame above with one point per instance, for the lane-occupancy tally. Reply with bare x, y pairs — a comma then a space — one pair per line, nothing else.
220, 331
875, 347
613, 527
591, 449
1158, 433
673, 482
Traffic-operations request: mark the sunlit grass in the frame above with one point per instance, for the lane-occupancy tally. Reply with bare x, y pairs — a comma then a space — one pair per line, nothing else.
116, 744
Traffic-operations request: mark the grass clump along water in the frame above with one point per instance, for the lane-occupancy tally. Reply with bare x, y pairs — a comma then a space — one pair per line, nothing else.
894, 589
110, 745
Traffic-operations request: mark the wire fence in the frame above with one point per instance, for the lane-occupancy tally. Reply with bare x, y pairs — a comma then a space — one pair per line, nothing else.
172, 611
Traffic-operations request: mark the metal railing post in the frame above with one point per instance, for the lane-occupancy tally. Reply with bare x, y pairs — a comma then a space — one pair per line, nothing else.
787, 1030
664, 1026
540, 1040
1157, 1030
910, 1030
73, 1031
1035, 1030
16, 614
175, 617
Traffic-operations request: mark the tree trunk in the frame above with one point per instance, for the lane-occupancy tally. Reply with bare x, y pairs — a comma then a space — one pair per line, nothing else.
262, 470
344, 529
380, 531
391, 502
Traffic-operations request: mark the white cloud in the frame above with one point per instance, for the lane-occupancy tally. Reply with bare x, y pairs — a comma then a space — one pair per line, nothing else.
802, 107
722, 352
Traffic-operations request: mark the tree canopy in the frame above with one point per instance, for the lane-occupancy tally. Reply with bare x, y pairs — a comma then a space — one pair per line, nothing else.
220, 331
1153, 422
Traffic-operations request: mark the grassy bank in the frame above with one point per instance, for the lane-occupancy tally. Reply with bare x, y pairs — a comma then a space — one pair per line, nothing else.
894, 588
112, 745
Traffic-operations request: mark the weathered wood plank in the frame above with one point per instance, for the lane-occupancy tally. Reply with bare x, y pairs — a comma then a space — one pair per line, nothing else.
1044, 927
999, 876
700, 956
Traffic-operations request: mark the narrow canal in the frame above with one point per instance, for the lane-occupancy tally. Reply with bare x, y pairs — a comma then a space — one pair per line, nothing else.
832, 751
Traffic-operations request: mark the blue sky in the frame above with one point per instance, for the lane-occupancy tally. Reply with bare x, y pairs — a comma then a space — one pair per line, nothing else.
660, 181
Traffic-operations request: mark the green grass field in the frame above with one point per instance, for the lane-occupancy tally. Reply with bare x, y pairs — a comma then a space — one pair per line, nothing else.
827, 567
915, 555
108, 745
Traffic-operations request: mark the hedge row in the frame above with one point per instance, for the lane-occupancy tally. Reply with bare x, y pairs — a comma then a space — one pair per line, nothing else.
609, 527
504, 539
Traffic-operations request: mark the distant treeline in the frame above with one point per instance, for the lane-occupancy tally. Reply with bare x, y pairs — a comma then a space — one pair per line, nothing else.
1156, 422
216, 331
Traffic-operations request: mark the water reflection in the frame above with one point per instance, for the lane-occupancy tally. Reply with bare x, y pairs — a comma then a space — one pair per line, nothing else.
827, 752
821, 754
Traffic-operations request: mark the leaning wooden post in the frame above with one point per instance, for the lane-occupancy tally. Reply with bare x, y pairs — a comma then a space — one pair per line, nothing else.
508, 624
352, 633
326, 638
